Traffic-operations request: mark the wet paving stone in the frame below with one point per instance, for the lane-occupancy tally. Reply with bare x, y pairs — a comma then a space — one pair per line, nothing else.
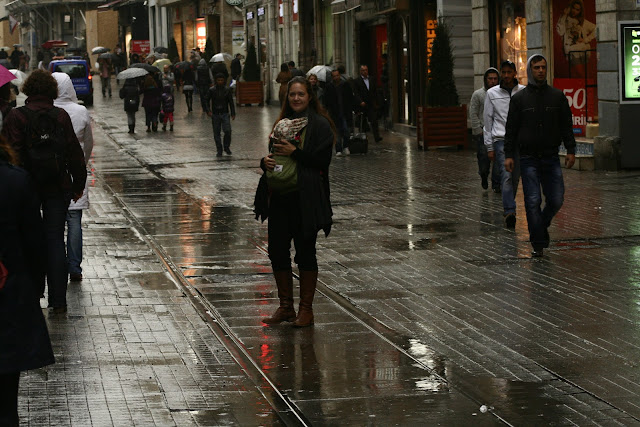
416, 247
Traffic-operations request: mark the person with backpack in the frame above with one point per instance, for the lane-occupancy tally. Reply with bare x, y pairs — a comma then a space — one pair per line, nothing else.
24, 339
151, 101
47, 147
130, 92
167, 107
188, 85
81, 121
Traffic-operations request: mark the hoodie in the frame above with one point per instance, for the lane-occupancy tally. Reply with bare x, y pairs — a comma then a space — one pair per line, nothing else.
496, 109
203, 74
539, 120
81, 121
476, 105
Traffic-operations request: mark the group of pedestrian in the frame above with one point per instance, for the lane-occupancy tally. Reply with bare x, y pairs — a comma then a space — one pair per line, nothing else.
44, 146
520, 129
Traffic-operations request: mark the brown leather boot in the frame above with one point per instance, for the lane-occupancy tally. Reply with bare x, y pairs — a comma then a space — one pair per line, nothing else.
286, 312
308, 281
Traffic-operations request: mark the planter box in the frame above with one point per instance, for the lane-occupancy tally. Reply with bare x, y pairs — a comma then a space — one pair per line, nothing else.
442, 126
249, 93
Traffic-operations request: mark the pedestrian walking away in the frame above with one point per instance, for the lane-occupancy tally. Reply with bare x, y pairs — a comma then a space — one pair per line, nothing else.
365, 94
295, 72
151, 102
221, 102
105, 76
24, 339
168, 78
130, 93
539, 121
315, 86
236, 67
294, 194
167, 107
204, 79
336, 96
476, 112
81, 121
188, 80
496, 109
47, 146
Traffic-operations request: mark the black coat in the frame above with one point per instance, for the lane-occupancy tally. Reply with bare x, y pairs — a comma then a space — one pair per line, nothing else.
236, 68
24, 339
362, 94
539, 120
313, 178
130, 92
338, 99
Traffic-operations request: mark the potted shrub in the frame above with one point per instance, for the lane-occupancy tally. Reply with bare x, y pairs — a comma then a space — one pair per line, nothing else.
249, 88
443, 122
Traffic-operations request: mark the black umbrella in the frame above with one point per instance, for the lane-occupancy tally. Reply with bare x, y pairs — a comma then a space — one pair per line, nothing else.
150, 68
183, 65
161, 49
106, 55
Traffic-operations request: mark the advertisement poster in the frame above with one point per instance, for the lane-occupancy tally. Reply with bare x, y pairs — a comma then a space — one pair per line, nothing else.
581, 98
201, 34
574, 39
140, 46
629, 62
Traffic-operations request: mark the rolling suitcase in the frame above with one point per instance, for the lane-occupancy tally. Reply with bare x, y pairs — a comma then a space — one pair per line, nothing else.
358, 142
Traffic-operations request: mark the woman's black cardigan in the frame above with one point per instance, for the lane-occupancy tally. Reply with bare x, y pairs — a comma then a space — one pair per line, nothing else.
313, 178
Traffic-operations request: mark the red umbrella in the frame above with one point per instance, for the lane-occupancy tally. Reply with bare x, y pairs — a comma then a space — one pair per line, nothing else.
5, 76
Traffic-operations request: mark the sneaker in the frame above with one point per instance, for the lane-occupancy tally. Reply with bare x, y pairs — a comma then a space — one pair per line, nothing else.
485, 183
497, 190
537, 253
338, 153
510, 220
346, 151
75, 277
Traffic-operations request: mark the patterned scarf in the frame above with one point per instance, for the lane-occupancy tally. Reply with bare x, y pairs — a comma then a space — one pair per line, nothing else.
289, 128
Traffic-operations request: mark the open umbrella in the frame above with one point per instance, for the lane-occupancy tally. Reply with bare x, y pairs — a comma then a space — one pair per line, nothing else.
131, 73
5, 76
106, 55
160, 63
17, 45
20, 77
5, 63
321, 71
161, 49
99, 49
51, 44
221, 57
183, 65
150, 68
5, 48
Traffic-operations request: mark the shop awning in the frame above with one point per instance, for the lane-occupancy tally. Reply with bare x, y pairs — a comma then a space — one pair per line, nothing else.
343, 6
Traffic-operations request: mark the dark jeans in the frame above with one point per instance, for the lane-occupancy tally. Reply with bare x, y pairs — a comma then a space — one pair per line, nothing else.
484, 164
54, 215
371, 115
131, 118
9, 399
188, 97
204, 97
151, 116
343, 133
221, 122
542, 172
106, 85
285, 223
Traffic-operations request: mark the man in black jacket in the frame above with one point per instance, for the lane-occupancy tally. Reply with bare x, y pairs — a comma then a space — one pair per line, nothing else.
221, 100
539, 121
337, 95
236, 67
364, 93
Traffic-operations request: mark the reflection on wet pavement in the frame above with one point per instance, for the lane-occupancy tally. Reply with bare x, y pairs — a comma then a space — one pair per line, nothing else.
422, 252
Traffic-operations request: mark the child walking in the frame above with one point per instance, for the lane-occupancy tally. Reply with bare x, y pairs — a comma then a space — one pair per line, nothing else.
167, 107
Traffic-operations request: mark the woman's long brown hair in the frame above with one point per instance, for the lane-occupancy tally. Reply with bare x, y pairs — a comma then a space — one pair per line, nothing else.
7, 152
314, 104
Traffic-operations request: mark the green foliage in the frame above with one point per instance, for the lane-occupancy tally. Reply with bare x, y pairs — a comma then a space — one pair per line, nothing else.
441, 88
208, 50
174, 56
251, 71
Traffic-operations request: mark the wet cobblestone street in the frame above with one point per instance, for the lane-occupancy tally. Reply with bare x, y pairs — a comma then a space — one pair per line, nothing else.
428, 307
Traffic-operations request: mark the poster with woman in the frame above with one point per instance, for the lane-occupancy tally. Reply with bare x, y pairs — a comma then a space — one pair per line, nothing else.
574, 39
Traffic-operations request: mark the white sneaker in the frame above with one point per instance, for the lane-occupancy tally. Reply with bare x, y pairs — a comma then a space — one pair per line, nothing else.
346, 151
338, 153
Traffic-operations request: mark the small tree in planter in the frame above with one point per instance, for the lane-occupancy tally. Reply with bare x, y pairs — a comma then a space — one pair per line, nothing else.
174, 56
444, 121
249, 90
208, 50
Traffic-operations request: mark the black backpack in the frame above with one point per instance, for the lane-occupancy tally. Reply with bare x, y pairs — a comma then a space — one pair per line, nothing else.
45, 144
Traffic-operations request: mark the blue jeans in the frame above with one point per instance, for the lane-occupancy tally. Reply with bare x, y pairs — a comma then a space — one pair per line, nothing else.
343, 133
484, 164
54, 214
221, 122
74, 241
542, 172
509, 180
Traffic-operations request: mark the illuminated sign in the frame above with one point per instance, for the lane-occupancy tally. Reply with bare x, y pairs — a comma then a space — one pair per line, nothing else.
430, 25
201, 34
249, 16
261, 11
629, 42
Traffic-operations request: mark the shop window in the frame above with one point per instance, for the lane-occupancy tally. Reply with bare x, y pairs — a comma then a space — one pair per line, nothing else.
512, 35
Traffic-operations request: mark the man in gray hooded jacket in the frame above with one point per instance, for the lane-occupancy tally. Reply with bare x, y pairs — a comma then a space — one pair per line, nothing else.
539, 121
476, 110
